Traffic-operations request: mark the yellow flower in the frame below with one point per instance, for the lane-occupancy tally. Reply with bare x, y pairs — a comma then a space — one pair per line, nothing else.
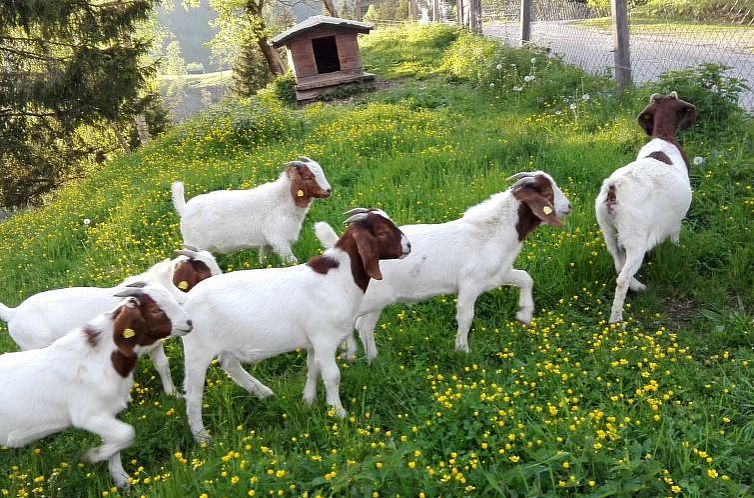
712, 473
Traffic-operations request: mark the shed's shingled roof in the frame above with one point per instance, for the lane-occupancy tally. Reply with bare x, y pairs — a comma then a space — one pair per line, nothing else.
315, 21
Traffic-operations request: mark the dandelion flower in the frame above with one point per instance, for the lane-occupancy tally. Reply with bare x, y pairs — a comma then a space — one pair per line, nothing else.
492, 85
585, 97
87, 221
698, 160
517, 88
573, 106
528, 78
499, 67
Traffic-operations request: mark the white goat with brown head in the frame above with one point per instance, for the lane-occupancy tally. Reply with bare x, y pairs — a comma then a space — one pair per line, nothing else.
644, 202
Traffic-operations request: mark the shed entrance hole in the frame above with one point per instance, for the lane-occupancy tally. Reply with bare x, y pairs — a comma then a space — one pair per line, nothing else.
326, 54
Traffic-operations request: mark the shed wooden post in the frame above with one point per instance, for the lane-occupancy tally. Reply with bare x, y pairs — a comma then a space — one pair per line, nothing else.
621, 50
525, 22
459, 12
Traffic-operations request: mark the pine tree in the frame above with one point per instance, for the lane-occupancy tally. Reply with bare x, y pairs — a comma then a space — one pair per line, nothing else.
63, 66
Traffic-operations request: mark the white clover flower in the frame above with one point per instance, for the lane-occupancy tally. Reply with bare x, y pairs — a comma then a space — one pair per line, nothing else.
513, 65
499, 67
492, 85
87, 222
699, 160
585, 97
528, 78
573, 106
558, 113
517, 88
533, 60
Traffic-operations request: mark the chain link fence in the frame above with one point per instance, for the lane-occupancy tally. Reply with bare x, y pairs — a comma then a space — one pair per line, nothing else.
659, 41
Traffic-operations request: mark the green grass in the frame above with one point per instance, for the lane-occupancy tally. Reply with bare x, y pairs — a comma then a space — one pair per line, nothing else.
566, 407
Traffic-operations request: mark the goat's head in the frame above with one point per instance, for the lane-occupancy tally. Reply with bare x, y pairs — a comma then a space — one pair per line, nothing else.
371, 236
666, 114
307, 181
191, 266
541, 199
148, 314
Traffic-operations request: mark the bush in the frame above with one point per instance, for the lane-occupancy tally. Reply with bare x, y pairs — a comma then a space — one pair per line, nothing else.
195, 68
706, 86
282, 88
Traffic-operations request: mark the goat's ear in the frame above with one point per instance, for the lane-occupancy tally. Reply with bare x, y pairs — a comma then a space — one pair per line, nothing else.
541, 207
298, 187
368, 249
646, 119
128, 321
686, 116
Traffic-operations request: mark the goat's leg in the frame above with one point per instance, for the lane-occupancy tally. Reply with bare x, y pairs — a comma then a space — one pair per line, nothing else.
312, 374
283, 248
351, 348
197, 362
160, 360
116, 436
619, 256
263, 252
243, 378
634, 258
325, 357
365, 325
117, 472
465, 315
525, 283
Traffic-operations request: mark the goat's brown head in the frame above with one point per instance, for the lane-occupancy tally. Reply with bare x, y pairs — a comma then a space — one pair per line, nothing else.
371, 236
541, 199
189, 270
307, 181
666, 114
147, 315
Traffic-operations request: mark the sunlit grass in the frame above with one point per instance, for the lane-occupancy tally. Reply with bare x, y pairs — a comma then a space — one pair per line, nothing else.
569, 406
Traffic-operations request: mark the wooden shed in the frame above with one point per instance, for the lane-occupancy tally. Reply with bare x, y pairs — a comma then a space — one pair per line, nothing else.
323, 53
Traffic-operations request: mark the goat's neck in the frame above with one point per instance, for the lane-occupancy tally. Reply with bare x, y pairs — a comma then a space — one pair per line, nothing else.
348, 246
657, 144
97, 335
665, 130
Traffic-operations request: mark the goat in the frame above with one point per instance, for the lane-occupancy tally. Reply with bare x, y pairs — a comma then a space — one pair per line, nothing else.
44, 317
643, 203
269, 215
247, 316
83, 379
467, 256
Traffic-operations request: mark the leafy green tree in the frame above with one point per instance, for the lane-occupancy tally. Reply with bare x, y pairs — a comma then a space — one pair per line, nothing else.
64, 65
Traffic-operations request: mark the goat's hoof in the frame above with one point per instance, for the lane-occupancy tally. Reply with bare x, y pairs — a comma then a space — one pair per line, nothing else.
92, 456
637, 286
524, 316
463, 348
121, 481
202, 436
263, 392
340, 412
309, 400
616, 318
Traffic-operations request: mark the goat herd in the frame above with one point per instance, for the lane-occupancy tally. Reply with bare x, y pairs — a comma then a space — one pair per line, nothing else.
80, 345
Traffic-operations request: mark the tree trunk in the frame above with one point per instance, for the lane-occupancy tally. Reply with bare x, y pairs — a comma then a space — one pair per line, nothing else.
121, 139
357, 10
254, 10
330, 7
142, 128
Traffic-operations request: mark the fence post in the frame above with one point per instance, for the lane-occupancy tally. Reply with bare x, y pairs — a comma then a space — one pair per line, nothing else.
475, 16
621, 51
459, 12
525, 22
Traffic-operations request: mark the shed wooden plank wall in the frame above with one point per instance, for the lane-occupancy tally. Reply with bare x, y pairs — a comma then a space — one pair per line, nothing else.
301, 53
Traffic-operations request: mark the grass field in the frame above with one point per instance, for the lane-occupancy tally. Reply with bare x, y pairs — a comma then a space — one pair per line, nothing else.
570, 406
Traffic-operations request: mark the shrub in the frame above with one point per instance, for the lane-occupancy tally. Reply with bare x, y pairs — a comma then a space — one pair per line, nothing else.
195, 68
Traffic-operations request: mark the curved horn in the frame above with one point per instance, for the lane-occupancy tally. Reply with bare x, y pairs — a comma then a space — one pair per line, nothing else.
673, 94
130, 292
356, 217
654, 97
191, 248
520, 175
304, 159
186, 252
297, 164
138, 285
356, 211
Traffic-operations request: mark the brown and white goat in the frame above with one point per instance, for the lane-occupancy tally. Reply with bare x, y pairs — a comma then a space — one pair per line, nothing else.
643, 203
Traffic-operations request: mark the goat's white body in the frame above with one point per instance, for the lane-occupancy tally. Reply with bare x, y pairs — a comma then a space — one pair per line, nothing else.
226, 221
247, 316
44, 317
73, 382
651, 200
467, 257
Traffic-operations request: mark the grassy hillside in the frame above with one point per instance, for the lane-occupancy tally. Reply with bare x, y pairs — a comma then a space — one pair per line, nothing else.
566, 407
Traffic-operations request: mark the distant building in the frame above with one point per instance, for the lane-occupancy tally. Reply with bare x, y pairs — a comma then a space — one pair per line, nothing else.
323, 53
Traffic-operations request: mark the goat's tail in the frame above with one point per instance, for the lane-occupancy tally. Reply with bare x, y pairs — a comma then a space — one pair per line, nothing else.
179, 199
325, 233
6, 313
610, 198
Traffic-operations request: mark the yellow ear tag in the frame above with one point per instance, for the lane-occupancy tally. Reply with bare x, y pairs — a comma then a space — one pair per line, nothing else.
128, 333
300, 193
547, 210
183, 285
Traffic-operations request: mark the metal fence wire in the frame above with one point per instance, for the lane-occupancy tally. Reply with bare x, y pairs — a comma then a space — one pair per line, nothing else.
583, 35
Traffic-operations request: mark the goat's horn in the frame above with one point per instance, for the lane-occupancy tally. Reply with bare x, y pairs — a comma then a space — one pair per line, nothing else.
673, 94
520, 175
654, 97
130, 292
191, 248
297, 164
138, 285
186, 252
356, 217
304, 159
355, 211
